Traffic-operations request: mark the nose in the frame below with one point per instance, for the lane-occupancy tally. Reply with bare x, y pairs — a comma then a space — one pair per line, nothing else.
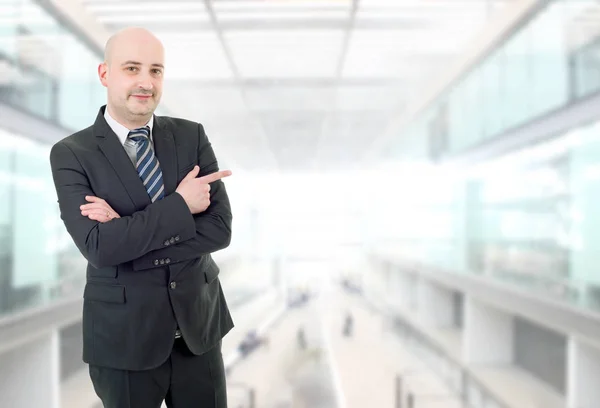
145, 83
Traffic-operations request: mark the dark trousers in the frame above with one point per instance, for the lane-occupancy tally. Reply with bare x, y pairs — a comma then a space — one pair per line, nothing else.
183, 381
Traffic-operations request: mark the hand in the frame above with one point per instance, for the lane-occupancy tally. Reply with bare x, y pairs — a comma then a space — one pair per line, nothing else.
196, 191
98, 210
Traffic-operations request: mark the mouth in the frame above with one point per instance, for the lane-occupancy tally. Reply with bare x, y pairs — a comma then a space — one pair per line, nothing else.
142, 96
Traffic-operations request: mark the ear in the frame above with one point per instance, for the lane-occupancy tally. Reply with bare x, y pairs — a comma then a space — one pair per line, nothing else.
103, 73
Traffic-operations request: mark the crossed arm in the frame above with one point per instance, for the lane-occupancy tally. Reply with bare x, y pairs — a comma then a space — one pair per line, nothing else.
107, 239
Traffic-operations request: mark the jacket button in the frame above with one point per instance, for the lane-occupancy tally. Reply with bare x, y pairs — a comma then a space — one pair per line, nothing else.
167, 242
172, 240
176, 237
173, 285
162, 261
156, 262
168, 260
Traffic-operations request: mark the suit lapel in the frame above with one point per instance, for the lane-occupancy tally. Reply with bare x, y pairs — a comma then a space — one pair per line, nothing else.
111, 147
164, 146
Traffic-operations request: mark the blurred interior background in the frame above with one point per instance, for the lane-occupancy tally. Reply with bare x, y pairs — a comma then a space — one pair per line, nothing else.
413, 189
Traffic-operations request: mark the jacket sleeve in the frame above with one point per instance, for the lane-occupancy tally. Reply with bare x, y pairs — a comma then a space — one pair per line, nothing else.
119, 240
213, 226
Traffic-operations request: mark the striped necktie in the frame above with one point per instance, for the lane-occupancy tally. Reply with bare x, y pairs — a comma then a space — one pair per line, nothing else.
147, 163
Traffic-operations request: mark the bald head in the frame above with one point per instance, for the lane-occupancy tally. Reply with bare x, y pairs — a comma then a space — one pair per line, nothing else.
127, 37
132, 72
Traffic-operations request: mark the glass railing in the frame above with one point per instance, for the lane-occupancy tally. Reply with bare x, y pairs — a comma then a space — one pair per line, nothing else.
459, 379
455, 375
528, 219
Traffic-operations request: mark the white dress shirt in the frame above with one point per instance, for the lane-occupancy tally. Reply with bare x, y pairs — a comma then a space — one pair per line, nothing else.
122, 132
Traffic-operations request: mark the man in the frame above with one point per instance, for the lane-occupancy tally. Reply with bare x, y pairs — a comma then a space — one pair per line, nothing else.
143, 200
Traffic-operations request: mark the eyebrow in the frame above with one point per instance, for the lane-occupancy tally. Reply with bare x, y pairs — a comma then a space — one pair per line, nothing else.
130, 62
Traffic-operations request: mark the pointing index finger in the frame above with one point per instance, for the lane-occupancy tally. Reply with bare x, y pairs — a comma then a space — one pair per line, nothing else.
209, 178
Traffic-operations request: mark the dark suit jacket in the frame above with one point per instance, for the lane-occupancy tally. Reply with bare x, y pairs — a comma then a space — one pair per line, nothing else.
151, 269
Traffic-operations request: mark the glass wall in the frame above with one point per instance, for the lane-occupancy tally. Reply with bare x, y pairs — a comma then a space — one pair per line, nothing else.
586, 66
549, 62
39, 262
49, 71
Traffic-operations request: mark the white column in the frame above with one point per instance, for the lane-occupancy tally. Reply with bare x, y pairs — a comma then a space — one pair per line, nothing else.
279, 278
30, 374
488, 334
413, 289
400, 289
435, 304
375, 285
583, 371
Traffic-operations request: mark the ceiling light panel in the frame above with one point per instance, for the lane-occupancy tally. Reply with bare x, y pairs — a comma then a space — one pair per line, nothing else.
285, 53
365, 4
208, 100
105, 7
252, 5
439, 12
285, 15
370, 98
191, 56
272, 15
446, 17
154, 18
398, 53
278, 98
130, 12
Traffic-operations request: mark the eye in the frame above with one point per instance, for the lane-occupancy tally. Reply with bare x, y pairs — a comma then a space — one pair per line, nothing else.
131, 68
157, 71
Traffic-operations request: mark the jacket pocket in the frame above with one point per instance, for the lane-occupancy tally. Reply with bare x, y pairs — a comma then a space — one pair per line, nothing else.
104, 292
106, 272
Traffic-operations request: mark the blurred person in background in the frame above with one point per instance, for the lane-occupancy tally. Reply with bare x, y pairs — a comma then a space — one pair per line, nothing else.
348, 325
142, 198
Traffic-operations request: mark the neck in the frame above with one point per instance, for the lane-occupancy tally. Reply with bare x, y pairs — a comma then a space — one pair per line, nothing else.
131, 122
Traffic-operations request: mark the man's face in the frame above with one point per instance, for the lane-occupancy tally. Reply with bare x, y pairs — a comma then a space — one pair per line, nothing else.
133, 76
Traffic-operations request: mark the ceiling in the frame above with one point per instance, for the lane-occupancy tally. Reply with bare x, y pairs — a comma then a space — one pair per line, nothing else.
298, 85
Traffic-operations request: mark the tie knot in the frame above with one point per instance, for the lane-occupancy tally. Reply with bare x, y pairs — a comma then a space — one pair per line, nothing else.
139, 134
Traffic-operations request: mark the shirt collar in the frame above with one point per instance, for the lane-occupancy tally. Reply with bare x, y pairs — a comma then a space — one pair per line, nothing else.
121, 131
